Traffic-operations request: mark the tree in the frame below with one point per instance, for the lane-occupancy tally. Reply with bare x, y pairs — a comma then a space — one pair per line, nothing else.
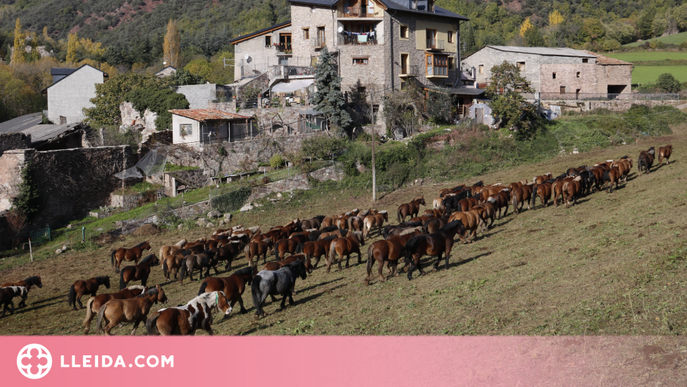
329, 99
555, 18
526, 25
109, 95
533, 38
507, 102
668, 83
680, 16
172, 45
19, 44
645, 23
72, 44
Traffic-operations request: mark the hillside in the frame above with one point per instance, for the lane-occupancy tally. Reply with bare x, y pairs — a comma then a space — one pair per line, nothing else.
612, 265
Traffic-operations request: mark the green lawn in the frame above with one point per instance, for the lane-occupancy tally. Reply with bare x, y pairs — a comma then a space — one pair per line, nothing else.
670, 39
649, 74
647, 56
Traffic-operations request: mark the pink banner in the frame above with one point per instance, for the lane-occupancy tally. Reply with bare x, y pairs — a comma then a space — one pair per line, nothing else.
344, 361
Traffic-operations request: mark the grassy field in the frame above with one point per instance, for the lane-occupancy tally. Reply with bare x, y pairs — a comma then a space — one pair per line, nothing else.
670, 39
643, 75
612, 265
648, 56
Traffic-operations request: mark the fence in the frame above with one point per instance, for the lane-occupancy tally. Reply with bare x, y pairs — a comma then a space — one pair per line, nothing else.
605, 96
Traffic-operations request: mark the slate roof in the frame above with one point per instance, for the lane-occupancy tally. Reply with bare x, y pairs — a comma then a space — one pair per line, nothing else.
438, 11
260, 32
202, 115
74, 70
604, 60
21, 123
545, 51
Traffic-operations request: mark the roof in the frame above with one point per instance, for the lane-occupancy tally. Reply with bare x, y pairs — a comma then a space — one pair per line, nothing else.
61, 71
260, 32
21, 123
389, 4
604, 60
466, 91
201, 115
86, 65
168, 67
40, 133
545, 51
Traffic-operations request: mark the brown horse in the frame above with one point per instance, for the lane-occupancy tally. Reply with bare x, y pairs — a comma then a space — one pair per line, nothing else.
543, 191
470, 222
646, 160
89, 286
232, 286
185, 320
94, 303
276, 265
133, 310
664, 152
228, 253
409, 209
572, 190
205, 260
345, 246
624, 167
288, 245
520, 196
124, 254
172, 263
138, 272
316, 249
374, 221
27, 283
389, 251
611, 176
487, 212
541, 179
256, 249
437, 244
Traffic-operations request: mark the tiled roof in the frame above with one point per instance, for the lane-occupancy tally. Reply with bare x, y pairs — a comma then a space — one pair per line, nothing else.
207, 114
604, 60
260, 32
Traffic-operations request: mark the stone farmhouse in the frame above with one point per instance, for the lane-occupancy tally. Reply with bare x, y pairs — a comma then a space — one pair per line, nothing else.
556, 72
71, 92
379, 45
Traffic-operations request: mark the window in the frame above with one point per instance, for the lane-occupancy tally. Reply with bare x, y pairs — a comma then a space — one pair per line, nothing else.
451, 63
481, 69
359, 61
578, 74
585, 60
450, 36
185, 130
553, 76
431, 38
306, 33
404, 64
521, 66
268, 41
404, 32
562, 89
437, 65
320, 37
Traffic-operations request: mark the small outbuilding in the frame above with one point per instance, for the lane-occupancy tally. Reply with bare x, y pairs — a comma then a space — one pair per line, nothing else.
210, 126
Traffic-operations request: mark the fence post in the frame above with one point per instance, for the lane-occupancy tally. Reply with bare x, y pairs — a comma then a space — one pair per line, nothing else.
30, 250
83, 234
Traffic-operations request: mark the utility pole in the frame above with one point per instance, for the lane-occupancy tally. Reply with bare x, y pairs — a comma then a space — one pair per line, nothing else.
374, 167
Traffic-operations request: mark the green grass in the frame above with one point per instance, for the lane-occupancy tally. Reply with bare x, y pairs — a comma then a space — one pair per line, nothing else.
169, 167
647, 56
670, 39
643, 75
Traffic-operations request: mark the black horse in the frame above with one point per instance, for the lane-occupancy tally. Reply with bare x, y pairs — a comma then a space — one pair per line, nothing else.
451, 202
280, 282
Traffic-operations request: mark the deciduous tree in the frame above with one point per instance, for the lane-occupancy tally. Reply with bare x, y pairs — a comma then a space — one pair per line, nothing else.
507, 102
19, 44
172, 45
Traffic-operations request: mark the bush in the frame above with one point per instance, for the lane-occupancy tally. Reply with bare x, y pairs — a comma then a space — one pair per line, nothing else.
277, 161
231, 201
668, 83
323, 147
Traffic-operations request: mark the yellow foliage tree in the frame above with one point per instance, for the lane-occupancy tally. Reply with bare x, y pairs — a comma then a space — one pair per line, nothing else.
172, 45
72, 45
19, 43
555, 18
526, 25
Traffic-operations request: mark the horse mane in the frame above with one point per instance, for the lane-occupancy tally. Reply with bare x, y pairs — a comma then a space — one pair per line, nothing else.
148, 258
102, 278
31, 279
141, 244
148, 292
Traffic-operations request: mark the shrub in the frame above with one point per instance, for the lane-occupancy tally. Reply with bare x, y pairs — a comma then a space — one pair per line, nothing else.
322, 147
277, 161
668, 83
231, 201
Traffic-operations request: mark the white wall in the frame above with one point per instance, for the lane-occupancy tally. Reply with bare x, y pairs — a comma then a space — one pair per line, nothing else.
71, 95
193, 138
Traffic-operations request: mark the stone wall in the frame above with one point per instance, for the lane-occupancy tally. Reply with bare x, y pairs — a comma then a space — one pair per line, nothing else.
301, 182
11, 164
612, 105
10, 141
132, 117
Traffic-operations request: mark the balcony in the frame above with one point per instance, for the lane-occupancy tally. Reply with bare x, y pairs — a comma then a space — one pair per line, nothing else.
346, 38
283, 49
355, 12
410, 71
435, 45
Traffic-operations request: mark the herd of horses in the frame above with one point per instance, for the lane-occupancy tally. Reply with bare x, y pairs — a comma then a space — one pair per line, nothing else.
457, 214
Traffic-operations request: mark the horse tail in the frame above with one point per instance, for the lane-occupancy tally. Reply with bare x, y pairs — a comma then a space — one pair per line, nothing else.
112, 257
164, 267
101, 312
332, 253
122, 284
255, 290
514, 202
71, 299
369, 259
299, 248
151, 324
89, 312
202, 288
534, 195
182, 271
398, 214
276, 251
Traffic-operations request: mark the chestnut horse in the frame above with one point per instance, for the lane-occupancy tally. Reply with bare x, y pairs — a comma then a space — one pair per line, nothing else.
133, 310
89, 286
374, 221
316, 249
543, 191
345, 246
232, 286
520, 196
664, 152
94, 303
438, 243
387, 250
27, 283
132, 254
256, 249
140, 271
470, 222
276, 265
205, 260
185, 320
409, 209
172, 263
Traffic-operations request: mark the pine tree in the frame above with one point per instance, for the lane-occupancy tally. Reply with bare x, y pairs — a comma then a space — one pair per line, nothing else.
329, 99
72, 44
172, 45
19, 43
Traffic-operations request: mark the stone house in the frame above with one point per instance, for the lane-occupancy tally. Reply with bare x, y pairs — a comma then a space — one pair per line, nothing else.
556, 72
71, 92
196, 127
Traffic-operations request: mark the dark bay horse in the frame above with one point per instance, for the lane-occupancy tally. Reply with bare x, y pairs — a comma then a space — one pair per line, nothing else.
124, 254
232, 286
205, 260
256, 249
89, 286
387, 250
315, 249
409, 209
6, 296
276, 265
664, 152
94, 303
437, 244
279, 282
133, 310
229, 253
185, 320
140, 271
27, 283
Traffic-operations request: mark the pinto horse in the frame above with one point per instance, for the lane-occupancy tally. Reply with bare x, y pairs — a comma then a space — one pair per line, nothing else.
27, 283
133, 310
279, 282
345, 246
206, 259
409, 209
232, 286
89, 286
664, 152
94, 303
124, 254
7, 294
140, 271
186, 320
437, 244
387, 250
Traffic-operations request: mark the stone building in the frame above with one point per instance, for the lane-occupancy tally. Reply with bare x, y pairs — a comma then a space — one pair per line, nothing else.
556, 72
71, 92
208, 126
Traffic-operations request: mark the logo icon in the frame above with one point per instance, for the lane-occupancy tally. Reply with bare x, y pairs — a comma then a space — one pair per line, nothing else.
34, 361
